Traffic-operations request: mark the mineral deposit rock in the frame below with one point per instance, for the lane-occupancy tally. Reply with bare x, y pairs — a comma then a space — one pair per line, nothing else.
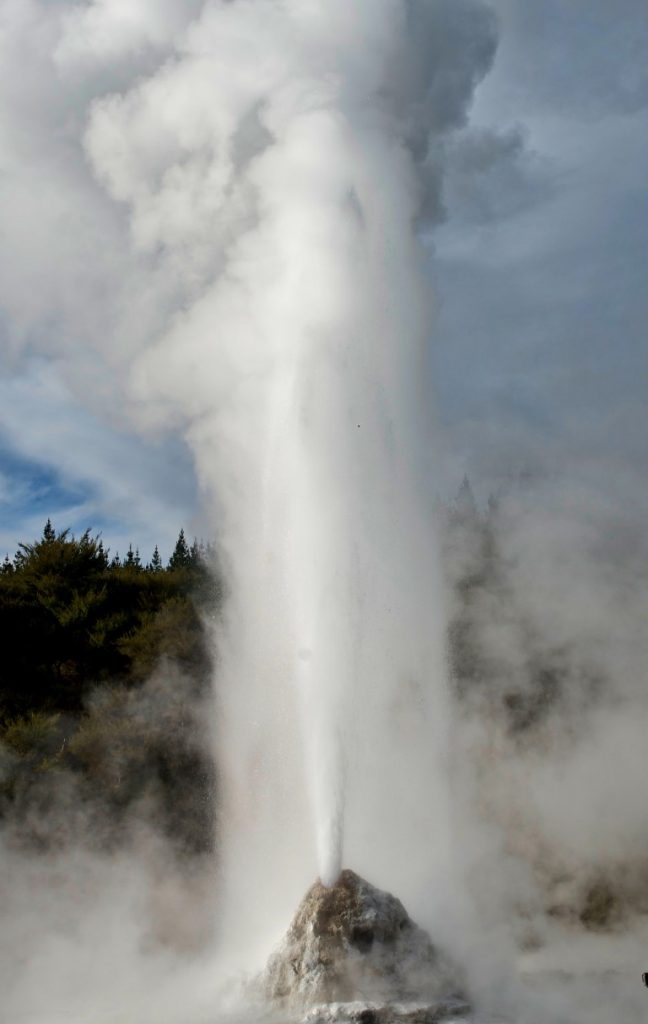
354, 944
441, 1011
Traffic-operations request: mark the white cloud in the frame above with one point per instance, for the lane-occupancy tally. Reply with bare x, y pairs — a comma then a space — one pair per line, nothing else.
135, 491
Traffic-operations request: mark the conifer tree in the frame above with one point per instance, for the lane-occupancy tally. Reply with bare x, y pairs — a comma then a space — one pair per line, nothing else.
181, 557
49, 533
194, 554
103, 554
156, 561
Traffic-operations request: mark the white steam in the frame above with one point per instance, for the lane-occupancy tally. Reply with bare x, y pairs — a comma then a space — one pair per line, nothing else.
235, 190
213, 211
273, 170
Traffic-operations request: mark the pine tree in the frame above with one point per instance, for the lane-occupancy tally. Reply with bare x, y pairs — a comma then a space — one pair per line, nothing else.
181, 557
7, 566
49, 533
103, 554
156, 561
194, 554
132, 560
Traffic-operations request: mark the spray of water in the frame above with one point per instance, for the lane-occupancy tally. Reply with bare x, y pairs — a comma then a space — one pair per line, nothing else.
255, 177
283, 164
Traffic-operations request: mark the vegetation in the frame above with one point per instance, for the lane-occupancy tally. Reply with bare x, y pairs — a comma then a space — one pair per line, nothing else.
105, 674
105, 665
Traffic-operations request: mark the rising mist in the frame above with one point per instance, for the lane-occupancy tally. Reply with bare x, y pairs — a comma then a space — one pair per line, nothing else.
225, 211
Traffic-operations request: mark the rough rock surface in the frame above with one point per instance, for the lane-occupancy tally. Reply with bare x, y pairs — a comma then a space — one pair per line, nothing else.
444, 1010
354, 942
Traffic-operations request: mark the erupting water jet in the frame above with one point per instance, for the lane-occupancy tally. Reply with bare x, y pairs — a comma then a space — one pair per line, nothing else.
292, 156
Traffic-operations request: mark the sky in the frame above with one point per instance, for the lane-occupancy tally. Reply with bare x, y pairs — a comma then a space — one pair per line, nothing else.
538, 354
540, 269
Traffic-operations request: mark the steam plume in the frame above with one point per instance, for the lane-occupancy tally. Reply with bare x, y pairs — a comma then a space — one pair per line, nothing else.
257, 175
281, 162
213, 212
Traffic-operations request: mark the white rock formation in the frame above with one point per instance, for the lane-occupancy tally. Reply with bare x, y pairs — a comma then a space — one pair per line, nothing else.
444, 1010
352, 953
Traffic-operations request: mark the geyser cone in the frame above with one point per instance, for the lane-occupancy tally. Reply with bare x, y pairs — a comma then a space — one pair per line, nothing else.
353, 941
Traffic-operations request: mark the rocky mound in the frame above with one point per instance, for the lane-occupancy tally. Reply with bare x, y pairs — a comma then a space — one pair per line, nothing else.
450, 1011
355, 942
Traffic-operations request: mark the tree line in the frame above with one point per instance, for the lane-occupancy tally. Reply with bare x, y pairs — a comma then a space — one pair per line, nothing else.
106, 666
104, 662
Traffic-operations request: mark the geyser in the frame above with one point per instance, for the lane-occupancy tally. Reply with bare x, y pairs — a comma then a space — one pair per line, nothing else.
280, 170
353, 943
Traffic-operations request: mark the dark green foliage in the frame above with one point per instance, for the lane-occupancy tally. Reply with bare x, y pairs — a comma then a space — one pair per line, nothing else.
182, 555
76, 620
36, 737
132, 560
59, 608
172, 631
77, 624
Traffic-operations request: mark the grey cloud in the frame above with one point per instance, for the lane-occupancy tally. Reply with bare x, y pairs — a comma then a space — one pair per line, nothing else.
586, 56
451, 47
491, 175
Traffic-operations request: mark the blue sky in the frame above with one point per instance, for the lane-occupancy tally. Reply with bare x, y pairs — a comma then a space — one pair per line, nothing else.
540, 268
539, 355
58, 460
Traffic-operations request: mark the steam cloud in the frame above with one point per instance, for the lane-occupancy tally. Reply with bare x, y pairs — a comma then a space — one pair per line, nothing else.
257, 171
213, 212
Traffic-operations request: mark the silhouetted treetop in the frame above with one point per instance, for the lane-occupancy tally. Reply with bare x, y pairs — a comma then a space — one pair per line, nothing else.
76, 619
181, 557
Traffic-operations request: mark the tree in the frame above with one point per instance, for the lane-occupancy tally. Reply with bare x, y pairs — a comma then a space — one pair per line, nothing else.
181, 557
103, 554
132, 560
89, 642
156, 561
76, 619
55, 606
